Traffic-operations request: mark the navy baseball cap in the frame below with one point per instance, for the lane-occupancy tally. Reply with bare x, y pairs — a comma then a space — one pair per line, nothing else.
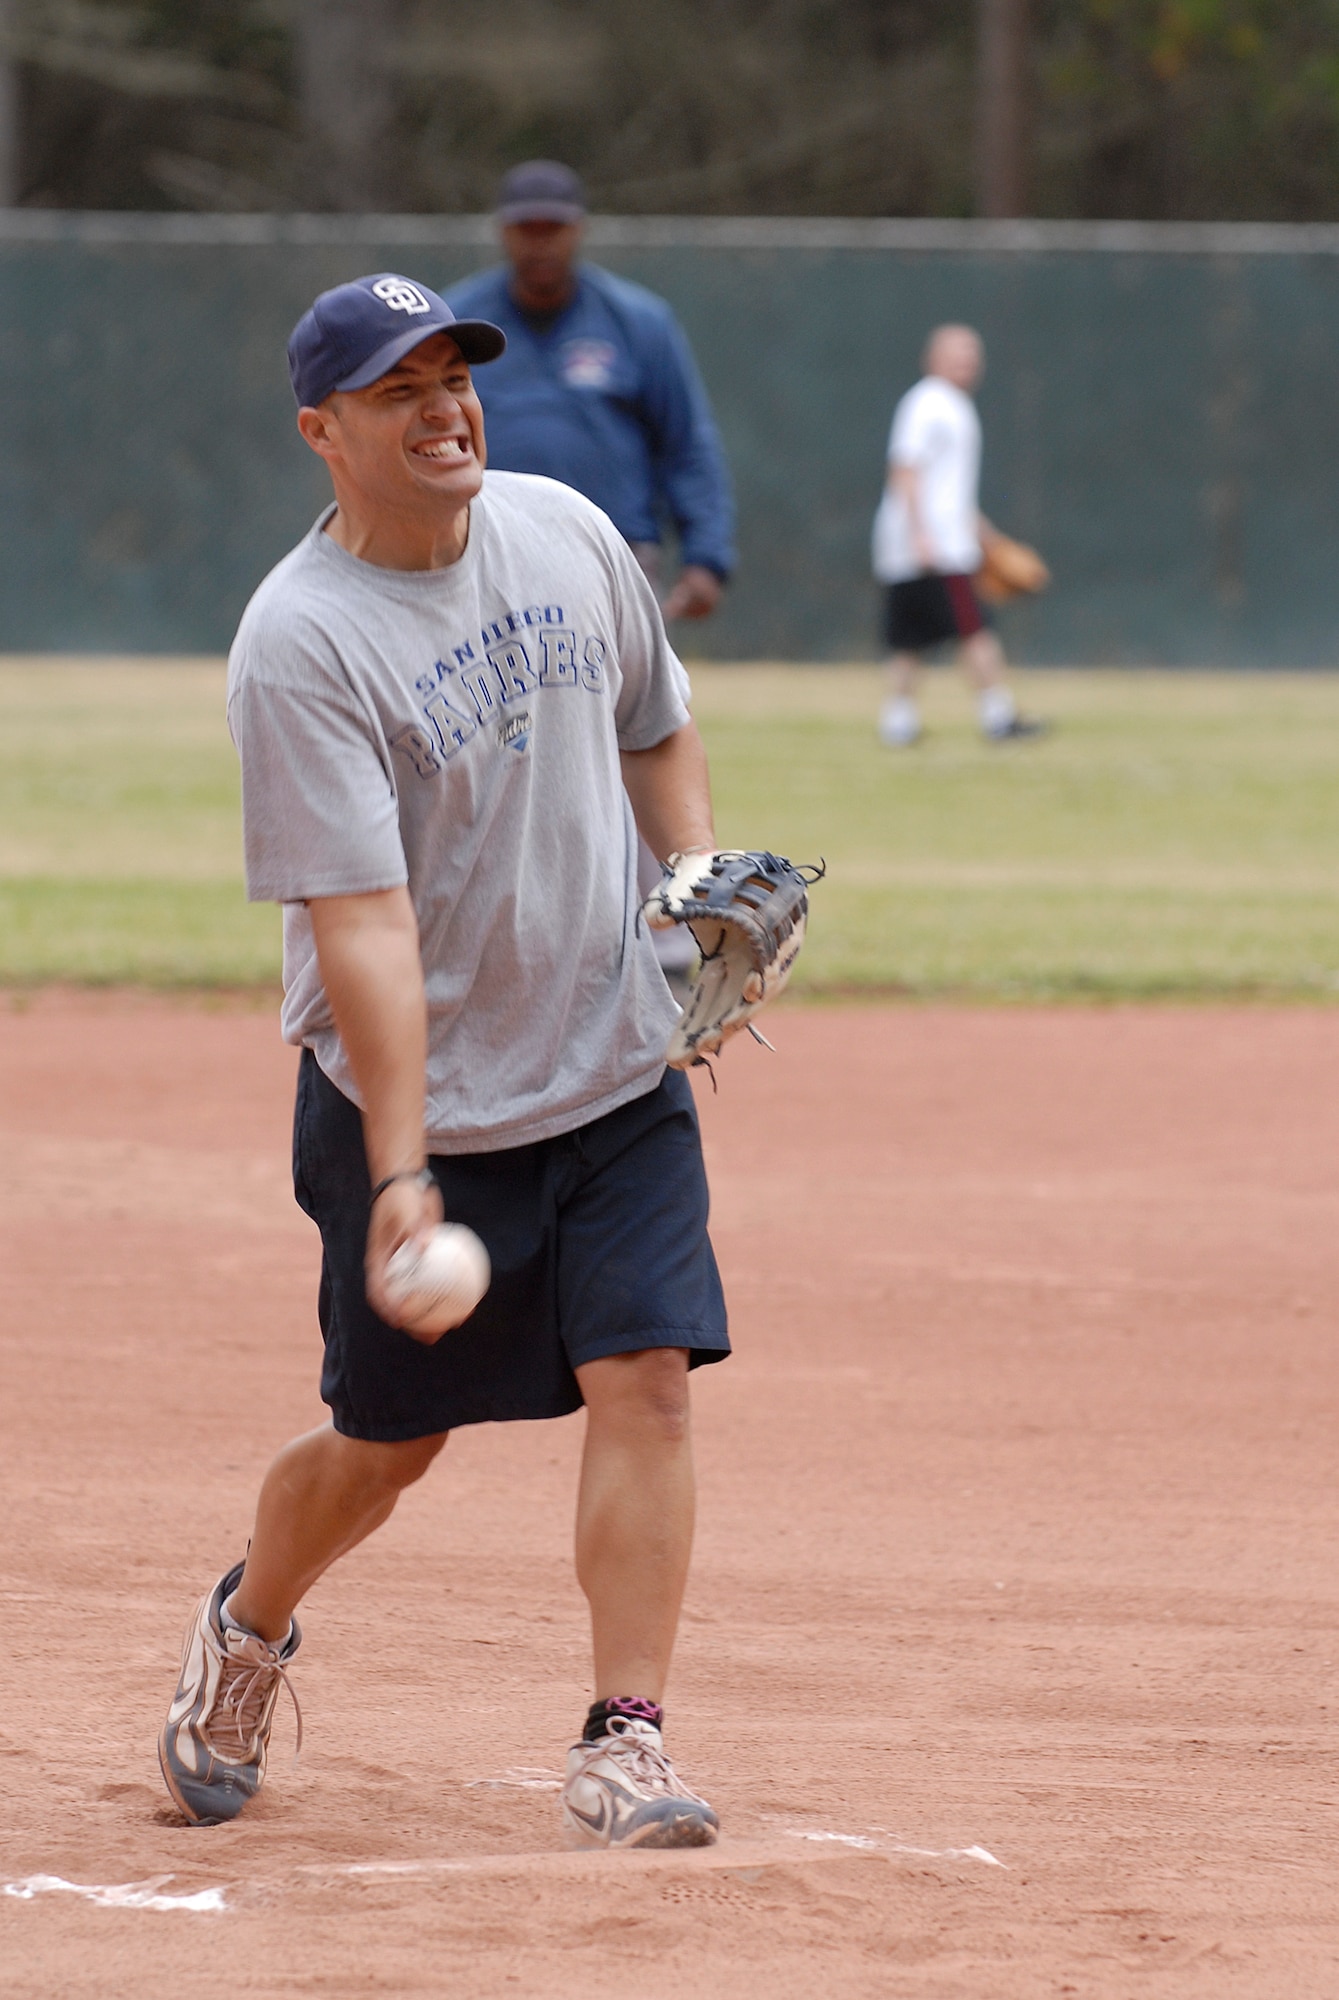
355, 333
541, 191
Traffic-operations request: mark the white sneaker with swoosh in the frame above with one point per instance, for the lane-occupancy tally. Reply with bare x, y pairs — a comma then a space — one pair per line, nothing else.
623, 1791
213, 1745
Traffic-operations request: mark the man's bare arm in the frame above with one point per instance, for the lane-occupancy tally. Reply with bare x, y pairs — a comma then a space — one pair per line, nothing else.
368, 951
671, 794
905, 480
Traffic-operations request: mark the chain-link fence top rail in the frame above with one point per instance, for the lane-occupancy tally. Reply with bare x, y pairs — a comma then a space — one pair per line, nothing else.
1161, 414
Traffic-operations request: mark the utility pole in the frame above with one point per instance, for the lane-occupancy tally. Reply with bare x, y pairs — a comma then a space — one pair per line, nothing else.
347, 101
1002, 108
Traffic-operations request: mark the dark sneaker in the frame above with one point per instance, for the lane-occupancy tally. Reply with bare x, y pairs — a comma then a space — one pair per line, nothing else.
217, 1732
623, 1791
1016, 726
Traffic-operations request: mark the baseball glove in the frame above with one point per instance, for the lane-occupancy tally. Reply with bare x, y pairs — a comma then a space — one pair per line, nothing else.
747, 912
1009, 569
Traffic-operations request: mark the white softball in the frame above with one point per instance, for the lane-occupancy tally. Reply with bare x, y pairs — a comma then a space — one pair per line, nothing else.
435, 1288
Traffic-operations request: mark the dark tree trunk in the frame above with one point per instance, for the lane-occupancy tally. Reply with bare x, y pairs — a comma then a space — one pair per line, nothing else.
10, 190
347, 101
1002, 108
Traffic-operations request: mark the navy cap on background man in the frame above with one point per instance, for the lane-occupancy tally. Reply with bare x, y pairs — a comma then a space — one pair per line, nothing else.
598, 387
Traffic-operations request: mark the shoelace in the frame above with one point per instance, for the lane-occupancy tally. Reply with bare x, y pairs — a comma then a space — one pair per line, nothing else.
244, 1688
646, 1764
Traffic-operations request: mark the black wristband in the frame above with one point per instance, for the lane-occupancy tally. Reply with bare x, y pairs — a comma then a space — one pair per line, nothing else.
423, 1175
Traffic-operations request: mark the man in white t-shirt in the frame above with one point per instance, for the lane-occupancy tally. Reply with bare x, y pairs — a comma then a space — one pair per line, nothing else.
927, 543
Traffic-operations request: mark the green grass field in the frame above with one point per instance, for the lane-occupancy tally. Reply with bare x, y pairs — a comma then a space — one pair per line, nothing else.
1178, 836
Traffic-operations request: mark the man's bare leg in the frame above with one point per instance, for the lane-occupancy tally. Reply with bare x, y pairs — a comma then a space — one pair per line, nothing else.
323, 1495
986, 668
899, 719
634, 1535
634, 1528
983, 659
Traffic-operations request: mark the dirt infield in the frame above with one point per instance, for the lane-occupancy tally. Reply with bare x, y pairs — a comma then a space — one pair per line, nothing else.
1010, 1658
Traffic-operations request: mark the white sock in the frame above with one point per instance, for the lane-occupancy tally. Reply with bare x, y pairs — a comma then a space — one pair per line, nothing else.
226, 1618
899, 722
996, 708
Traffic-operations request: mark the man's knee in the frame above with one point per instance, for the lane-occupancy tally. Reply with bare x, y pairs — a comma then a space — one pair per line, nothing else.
646, 1391
397, 1465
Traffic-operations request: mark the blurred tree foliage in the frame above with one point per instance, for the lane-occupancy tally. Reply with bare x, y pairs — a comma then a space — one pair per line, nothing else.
1152, 108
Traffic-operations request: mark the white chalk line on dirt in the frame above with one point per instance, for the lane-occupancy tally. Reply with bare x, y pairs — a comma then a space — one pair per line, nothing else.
877, 1841
520, 1778
153, 1894
116, 1895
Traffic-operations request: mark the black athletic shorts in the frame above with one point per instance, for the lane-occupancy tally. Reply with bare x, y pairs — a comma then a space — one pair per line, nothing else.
598, 1241
926, 610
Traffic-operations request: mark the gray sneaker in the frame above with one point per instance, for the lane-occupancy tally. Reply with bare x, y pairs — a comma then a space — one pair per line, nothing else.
212, 1749
623, 1792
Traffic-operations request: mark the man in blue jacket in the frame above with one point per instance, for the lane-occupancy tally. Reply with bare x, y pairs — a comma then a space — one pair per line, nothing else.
598, 388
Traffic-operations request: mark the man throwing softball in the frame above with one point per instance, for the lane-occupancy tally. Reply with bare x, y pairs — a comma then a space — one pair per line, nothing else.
455, 706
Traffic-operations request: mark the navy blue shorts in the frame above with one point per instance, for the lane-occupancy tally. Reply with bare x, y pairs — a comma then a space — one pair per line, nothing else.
598, 1241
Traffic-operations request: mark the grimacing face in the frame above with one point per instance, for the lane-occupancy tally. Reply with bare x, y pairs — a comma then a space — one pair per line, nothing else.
414, 437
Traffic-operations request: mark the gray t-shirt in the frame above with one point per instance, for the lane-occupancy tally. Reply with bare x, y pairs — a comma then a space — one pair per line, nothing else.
459, 730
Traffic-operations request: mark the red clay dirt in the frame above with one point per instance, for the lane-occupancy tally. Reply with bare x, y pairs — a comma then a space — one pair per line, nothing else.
1011, 1655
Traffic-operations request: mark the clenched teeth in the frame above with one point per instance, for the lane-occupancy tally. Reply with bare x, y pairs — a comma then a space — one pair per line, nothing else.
440, 448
